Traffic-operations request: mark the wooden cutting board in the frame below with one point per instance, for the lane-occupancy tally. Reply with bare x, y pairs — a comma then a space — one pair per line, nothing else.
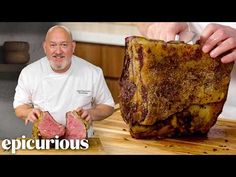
95, 147
116, 139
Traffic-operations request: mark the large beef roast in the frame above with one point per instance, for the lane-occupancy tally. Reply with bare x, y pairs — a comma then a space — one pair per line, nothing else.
171, 89
46, 127
76, 127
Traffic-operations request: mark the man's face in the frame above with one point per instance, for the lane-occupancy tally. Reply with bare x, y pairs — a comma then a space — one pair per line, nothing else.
59, 49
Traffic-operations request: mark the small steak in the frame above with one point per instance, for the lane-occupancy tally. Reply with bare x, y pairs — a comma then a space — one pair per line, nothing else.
46, 127
76, 127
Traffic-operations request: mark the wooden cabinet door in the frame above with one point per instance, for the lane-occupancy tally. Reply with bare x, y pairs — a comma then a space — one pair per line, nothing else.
89, 52
112, 60
113, 85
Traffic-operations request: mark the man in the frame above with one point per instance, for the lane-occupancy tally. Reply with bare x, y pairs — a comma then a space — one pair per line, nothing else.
62, 82
217, 39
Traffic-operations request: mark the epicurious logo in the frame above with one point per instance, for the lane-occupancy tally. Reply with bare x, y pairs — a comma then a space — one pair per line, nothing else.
42, 144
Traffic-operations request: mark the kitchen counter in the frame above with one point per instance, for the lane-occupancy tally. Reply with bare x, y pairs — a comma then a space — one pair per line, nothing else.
101, 33
112, 137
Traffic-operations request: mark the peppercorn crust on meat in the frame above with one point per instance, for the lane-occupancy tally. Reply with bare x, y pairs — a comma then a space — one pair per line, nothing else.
171, 89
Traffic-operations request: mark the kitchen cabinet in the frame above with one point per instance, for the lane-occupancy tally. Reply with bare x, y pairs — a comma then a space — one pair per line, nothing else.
113, 85
112, 60
108, 57
10, 71
11, 67
89, 52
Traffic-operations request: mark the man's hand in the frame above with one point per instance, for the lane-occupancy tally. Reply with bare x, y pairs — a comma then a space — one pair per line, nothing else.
27, 113
99, 112
33, 115
85, 114
218, 39
163, 31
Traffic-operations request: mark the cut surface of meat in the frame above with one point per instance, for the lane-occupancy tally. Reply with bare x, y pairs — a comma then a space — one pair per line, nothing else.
76, 127
46, 127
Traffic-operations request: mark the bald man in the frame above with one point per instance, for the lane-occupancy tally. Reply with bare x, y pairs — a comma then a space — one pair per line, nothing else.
61, 82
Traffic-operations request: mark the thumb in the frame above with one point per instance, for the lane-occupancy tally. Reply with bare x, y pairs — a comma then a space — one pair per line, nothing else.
26, 121
187, 36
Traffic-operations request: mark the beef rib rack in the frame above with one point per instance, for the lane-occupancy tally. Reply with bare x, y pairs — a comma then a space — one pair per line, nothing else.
171, 89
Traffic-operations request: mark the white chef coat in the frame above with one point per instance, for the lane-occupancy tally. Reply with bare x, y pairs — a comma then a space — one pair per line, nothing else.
229, 109
81, 86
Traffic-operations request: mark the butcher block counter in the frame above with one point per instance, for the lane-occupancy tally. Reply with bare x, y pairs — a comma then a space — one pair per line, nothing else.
112, 137
116, 139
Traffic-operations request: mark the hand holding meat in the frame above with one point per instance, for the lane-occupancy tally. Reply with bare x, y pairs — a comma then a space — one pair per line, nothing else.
162, 31
85, 114
218, 39
33, 115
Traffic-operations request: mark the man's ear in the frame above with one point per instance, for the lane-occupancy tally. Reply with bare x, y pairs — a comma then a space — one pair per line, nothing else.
44, 46
73, 46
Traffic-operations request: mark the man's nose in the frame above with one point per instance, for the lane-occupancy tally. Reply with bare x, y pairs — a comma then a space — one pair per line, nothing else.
58, 49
